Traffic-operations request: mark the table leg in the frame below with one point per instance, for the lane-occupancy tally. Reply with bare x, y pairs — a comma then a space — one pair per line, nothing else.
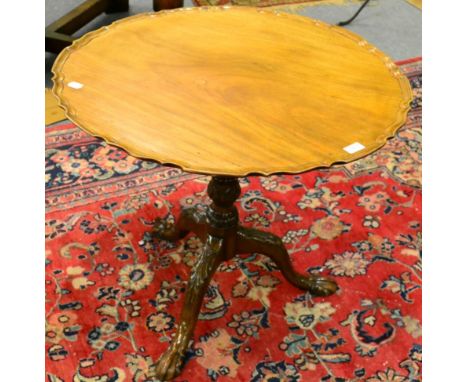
251, 240
170, 363
224, 237
218, 229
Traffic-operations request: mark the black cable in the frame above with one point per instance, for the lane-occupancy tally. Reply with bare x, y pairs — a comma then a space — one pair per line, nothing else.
343, 23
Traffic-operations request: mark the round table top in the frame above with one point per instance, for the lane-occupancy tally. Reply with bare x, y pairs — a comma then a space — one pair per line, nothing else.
232, 90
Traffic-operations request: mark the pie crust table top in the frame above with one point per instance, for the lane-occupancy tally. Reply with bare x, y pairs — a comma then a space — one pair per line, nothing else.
232, 90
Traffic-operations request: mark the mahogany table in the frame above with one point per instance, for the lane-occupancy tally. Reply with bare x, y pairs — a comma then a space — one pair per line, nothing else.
231, 92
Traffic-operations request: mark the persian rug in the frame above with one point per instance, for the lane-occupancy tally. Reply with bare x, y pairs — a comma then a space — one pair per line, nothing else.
113, 295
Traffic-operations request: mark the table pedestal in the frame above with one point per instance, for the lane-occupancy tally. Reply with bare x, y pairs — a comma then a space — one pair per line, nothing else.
223, 237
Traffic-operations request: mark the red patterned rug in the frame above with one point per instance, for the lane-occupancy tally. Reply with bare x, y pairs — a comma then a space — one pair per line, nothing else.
114, 295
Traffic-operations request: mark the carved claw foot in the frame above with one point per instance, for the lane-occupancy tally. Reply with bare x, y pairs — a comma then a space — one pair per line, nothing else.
190, 220
320, 286
251, 240
169, 365
163, 230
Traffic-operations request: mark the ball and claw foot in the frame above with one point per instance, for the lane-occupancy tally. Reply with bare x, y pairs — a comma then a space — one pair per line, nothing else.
190, 220
163, 230
321, 286
250, 240
169, 365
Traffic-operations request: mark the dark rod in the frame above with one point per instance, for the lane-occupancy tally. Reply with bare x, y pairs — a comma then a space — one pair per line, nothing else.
343, 23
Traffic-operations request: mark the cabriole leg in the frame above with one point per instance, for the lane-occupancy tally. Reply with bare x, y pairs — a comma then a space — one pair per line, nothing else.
252, 240
170, 364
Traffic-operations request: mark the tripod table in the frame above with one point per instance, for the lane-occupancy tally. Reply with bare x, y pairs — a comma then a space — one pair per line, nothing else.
231, 92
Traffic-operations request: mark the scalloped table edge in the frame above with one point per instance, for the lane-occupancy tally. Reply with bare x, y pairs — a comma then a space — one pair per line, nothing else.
389, 132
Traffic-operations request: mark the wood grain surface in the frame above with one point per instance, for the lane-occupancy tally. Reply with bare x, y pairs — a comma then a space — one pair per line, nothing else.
232, 90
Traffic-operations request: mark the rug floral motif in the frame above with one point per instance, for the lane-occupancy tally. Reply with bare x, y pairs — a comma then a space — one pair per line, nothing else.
113, 295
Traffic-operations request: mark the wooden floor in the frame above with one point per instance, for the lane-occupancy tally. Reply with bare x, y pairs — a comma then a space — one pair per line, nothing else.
53, 113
